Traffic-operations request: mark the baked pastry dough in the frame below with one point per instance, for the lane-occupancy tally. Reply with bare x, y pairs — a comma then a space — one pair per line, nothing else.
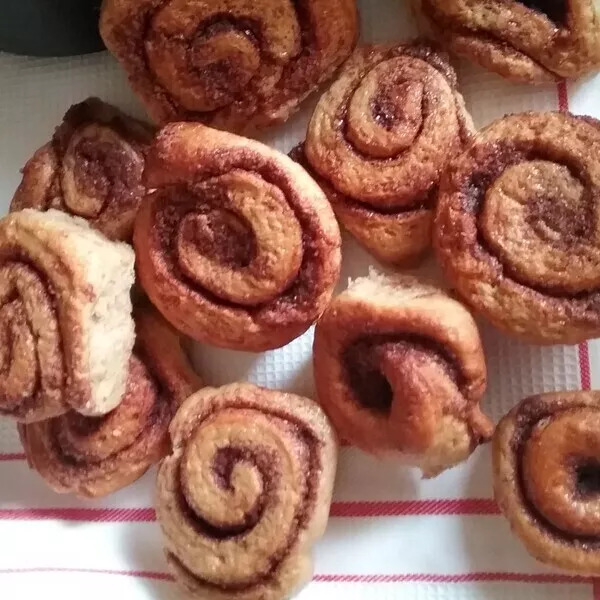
399, 368
66, 330
547, 477
379, 140
232, 64
237, 246
245, 492
517, 226
95, 456
92, 169
532, 41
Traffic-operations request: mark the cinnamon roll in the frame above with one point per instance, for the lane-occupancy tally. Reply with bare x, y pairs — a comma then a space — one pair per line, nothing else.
245, 492
399, 369
66, 330
232, 64
379, 140
95, 456
546, 455
530, 41
516, 226
237, 246
92, 169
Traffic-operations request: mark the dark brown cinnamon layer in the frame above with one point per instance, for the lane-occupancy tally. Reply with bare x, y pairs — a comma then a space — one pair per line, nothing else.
245, 492
547, 477
237, 246
92, 169
378, 141
533, 41
234, 65
515, 226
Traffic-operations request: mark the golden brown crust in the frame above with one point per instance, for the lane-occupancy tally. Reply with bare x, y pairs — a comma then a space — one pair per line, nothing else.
95, 456
233, 64
547, 477
399, 368
56, 276
522, 41
237, 246
92, 168
246, 492
516, 228
379, 140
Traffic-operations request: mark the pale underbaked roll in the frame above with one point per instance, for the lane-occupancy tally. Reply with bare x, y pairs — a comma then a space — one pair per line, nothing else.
517, 229
236, 245
246, 492
399, 369
95, 456
531, 41
66, 330
232, 64
547, 477
92, 168
379, 140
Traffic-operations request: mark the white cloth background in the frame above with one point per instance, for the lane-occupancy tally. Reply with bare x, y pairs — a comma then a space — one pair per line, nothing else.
390, 535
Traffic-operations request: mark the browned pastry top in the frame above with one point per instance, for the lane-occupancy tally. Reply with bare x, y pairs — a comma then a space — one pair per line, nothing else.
399, 368
517, 227
379, 140
237, 246
245, 492
233, 64
94, 456
547, 477
533, 41
92, 169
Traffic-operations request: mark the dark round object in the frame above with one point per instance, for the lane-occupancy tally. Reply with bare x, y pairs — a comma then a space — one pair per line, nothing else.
50, 27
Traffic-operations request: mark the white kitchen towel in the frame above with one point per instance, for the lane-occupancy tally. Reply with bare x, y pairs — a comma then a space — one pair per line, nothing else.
391, 535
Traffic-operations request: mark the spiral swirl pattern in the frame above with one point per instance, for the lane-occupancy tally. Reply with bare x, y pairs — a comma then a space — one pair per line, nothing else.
246, 492
532, 41
65, 316
379, 140
516, 227
95, 456
232, 64
547, 477
236, 246
92, 169
399, 368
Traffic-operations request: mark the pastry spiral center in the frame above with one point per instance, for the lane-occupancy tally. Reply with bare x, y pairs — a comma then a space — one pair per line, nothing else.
244, 481
402, 382
93, 439
385, 115
98, 165
561, 471
255, 236
206, 55
30, 347
539, 208
555, 10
